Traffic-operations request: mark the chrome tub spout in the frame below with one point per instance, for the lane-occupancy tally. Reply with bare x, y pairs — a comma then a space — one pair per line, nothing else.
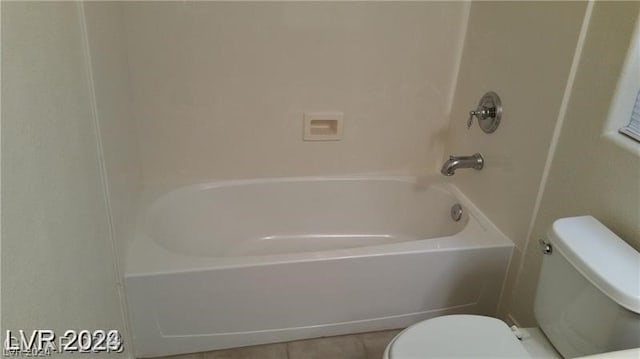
454, 162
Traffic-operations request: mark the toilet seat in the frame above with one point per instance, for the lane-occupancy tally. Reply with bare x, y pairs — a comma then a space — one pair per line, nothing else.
457, 336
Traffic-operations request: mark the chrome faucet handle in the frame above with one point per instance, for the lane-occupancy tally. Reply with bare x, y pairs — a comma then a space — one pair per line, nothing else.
488, 113
480, 114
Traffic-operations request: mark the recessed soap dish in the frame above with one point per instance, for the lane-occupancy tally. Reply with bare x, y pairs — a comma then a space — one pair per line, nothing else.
323, 126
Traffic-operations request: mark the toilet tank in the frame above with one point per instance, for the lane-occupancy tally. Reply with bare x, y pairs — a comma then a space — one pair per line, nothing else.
588, 295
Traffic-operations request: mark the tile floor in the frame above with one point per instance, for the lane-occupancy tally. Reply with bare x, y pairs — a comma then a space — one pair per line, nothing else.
356, 346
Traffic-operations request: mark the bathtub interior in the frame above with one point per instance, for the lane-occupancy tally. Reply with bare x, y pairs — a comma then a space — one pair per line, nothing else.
248, 218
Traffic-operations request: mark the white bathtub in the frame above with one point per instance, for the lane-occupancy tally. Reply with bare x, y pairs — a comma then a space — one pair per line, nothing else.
238, 263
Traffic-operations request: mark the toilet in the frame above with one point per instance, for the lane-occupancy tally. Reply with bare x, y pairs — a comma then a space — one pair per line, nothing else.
587, 302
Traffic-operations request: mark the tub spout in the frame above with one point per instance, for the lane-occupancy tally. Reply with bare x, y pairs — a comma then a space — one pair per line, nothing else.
454, 162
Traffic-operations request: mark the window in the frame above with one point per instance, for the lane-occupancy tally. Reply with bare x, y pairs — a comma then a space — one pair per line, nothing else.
633, 128
623, 124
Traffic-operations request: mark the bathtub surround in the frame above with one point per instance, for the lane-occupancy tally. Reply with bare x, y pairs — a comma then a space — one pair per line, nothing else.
220, 89
109, 68
503, 53
105, 53
58, 261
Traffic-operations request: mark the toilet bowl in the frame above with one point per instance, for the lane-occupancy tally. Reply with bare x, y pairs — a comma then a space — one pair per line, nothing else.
587, 302
468, 336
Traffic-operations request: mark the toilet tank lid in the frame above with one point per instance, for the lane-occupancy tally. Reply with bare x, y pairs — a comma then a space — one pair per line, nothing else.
607, 261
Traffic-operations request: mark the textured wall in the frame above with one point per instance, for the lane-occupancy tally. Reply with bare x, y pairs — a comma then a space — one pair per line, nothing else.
57, 261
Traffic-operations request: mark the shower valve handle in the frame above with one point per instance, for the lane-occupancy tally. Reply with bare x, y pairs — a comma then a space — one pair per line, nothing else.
481, 114
488, 112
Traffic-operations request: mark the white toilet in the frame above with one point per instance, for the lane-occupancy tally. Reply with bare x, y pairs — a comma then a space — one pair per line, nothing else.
587, 302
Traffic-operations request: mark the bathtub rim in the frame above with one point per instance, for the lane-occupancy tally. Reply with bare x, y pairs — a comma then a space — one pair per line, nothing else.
145, 257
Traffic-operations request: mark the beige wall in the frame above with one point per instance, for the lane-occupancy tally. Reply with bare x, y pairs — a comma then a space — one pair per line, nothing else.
219, 89
109, 68
58, 267
523, 51
105, 30
589, 174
